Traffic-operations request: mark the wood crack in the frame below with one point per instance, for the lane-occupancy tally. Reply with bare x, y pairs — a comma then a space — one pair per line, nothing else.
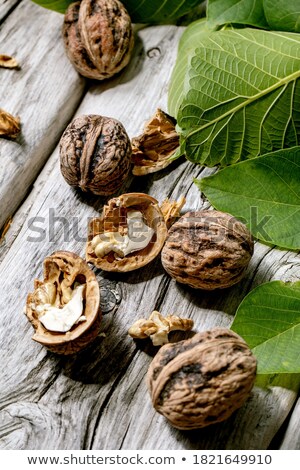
108, 397
15, 4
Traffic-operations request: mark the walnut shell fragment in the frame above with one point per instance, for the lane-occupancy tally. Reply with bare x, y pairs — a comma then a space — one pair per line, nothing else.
207, 250
114, 224
95, 154
8, 62
171, 209
202, 380
151, 151
158, 327
98, 37
64, 272
9, 125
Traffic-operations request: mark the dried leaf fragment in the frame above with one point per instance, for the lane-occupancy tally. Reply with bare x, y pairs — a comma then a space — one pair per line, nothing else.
171, 209
151, 151
158, 327
8, 62
9, 125
5, 228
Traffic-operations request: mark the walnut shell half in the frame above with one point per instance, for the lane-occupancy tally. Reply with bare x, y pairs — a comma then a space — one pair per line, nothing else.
202, 380
114, 220
63, 271
207, 250
95, 154
98, 37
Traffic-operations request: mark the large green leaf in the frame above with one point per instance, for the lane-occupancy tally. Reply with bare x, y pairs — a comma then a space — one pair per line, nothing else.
269, 321
264, 192
283, 15
250, 12
179, 83
142, 11
56, 5
241, 96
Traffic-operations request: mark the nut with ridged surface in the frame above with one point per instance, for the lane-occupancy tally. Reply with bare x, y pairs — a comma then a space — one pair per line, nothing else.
64, 308
98, 37
207, 250
95, 154
202, 380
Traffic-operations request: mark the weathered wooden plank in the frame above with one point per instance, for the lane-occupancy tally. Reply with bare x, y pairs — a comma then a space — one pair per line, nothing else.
44, 93
291, 438
6, 6
97, 399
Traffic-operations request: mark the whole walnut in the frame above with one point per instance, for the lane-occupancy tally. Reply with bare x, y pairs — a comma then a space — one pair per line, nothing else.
202, 380
95, 154
207, 250
98, 37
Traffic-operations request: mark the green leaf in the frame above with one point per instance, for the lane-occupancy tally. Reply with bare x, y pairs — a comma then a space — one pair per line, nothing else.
56, 5
264, 192
250, 12
142, 11
269, 321
158, 11
179, 83
283, 15
241, 96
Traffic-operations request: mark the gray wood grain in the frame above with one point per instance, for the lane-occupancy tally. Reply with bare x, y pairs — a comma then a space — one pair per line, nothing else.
97, 399
291, 438
6, 6
44, 93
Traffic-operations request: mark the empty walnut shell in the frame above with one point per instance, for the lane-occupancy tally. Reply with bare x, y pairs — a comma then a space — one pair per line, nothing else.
207, 250
202, 380
98, 37
63, 270
95, 154
114, 219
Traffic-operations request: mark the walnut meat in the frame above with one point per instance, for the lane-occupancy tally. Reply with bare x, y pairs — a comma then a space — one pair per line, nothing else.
129, 234
98, 37
95, 154
202, 380
69, 288
207, 250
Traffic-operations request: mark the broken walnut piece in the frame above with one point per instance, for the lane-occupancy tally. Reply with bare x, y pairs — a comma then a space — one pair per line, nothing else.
151, 151
171, 209
8, 62
9, 125
114, 223
67, 277
158, 327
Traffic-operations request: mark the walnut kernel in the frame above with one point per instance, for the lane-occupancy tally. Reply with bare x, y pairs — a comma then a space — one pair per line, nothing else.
64, 274
110, 231
158, 327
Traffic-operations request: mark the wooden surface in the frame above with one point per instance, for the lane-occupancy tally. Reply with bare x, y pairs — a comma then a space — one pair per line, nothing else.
97, 399
6, 6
